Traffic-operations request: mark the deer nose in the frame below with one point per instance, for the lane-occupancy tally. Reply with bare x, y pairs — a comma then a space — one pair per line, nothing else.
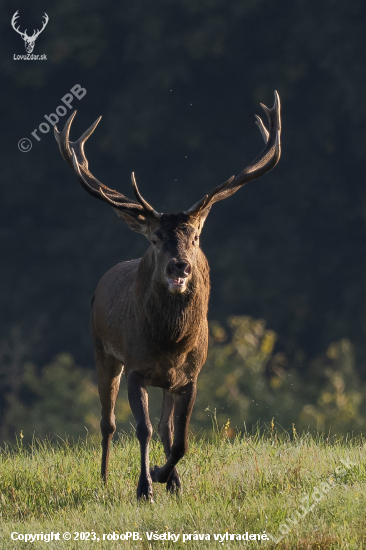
178, 268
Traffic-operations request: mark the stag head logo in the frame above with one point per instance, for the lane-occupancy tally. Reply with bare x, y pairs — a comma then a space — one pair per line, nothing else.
29, 40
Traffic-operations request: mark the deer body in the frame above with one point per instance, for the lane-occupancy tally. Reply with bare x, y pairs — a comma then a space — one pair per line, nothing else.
149, 316
147, 328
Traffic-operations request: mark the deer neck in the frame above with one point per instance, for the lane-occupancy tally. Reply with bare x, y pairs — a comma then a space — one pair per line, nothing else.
169, 318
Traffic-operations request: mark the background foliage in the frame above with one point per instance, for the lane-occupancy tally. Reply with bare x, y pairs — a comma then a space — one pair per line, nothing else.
178, 84
244, 383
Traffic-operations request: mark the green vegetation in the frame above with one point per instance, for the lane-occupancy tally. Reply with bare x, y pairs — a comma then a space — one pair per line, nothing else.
252, 483
244, 380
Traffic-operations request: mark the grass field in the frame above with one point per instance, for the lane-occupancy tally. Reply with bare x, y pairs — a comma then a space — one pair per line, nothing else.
308, 490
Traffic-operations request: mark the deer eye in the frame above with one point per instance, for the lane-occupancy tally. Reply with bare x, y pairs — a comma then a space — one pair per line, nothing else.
154, 242
195, 239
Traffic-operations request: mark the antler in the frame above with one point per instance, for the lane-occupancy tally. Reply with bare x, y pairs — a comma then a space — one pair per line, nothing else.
73, 154
13, 21
37, 33
267, 160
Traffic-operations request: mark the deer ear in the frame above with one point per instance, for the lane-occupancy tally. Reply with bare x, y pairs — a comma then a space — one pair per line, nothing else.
138, 224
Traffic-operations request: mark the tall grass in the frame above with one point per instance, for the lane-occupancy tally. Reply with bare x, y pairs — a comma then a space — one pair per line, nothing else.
251, 483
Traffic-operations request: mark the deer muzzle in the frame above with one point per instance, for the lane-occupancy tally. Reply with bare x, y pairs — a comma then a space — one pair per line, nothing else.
177, 272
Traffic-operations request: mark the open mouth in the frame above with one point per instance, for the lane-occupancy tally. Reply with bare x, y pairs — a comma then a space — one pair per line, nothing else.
176, 283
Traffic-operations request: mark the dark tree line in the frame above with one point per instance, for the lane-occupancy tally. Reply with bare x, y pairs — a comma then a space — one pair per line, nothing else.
178, 84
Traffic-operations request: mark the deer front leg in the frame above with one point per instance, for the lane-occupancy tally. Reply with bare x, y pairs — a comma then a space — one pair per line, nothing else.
138, 398
166, 430
183, 405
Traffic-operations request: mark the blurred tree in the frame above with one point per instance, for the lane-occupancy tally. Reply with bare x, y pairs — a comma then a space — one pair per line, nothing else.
341, 403
178, 84
244, 383
62, 400
243, 380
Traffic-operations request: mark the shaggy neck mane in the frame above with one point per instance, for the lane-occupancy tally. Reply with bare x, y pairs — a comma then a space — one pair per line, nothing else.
171, 318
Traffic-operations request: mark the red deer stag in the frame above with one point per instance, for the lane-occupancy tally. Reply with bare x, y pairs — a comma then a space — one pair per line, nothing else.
149, 316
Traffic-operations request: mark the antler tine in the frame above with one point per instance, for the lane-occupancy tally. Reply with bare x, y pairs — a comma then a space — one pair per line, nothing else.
62, 139
262, 164
67, 147
262, 128
73, 153
79, 144
64, 143
140, 198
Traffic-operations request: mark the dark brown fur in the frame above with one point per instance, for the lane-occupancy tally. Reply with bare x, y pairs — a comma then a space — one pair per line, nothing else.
159, 337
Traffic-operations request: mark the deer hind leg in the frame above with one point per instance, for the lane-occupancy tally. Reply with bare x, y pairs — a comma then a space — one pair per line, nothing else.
166, 430
138, 398
109, 372
183, 405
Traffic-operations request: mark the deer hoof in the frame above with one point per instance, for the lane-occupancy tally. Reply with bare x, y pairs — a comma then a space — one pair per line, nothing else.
174, 485
145, 491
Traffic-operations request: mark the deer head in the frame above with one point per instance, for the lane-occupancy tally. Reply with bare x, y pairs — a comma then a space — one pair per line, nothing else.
174, 238
29, 40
